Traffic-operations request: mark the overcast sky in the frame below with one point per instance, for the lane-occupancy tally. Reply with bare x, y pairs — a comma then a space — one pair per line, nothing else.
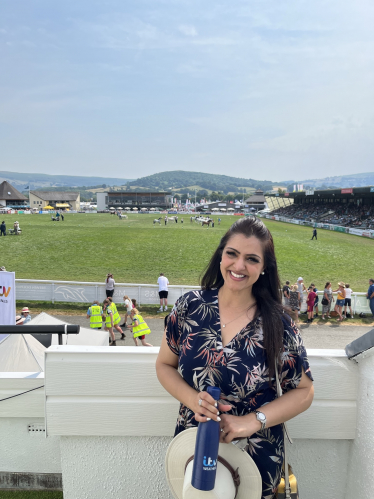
257, 89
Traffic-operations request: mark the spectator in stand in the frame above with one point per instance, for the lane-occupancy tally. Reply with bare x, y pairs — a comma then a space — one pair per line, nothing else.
163, 291
340, 300
316, 300
294, 297
109, 285
286, 293
370, 295
327, 300
310, 303
348, 301
301, 288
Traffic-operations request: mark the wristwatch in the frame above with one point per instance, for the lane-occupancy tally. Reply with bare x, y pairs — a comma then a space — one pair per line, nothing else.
260, 416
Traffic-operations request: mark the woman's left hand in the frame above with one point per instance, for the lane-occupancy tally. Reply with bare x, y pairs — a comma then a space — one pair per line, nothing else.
235, 427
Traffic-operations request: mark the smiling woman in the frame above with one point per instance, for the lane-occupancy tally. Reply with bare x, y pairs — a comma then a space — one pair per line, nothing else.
233, 334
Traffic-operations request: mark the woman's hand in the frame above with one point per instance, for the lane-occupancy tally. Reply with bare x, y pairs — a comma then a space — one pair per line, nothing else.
205, 407
235, 427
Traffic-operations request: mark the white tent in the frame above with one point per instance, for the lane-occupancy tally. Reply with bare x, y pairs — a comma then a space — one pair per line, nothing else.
86, 336
21, 353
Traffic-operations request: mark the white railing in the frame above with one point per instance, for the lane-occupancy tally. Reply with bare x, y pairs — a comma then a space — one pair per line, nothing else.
145, 294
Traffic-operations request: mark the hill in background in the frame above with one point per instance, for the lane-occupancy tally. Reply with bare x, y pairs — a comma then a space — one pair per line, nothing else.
354, 180
40, 180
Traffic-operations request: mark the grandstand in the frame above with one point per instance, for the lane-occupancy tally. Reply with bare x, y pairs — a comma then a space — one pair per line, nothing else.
276, 202
352, 207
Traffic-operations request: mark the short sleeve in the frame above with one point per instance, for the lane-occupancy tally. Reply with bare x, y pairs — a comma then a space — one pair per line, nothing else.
174, 324
294, 358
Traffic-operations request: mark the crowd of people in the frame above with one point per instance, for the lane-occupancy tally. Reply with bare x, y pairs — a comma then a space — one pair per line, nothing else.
293, 297
15, 230
345, 215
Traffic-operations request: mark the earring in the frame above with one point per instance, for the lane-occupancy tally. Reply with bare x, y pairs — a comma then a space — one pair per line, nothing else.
220, 262
262, 273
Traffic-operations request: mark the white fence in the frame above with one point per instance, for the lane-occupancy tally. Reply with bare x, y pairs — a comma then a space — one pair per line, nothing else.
145, 294
337, 228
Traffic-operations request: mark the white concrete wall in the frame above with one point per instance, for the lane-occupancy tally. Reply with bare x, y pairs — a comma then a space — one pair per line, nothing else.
101, 205
24, 452
133, 467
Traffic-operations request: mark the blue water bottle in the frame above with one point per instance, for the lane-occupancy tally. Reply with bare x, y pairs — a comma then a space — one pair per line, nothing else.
206, 450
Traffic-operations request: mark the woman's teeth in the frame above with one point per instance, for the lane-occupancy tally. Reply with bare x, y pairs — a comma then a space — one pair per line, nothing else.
236, 275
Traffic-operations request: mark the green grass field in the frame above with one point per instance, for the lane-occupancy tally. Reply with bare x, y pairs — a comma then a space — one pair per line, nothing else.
87, 247
30, 494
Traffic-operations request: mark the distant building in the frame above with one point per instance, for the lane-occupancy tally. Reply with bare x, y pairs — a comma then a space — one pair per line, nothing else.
256, 201
11, 198
133, 199
59, 200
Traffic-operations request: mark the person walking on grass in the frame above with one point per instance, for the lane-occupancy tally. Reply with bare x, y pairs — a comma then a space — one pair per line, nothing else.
340, 300
314, 234
163, 292
3, 229
139, 328
310, 303
326, 301
370, 295
348, 301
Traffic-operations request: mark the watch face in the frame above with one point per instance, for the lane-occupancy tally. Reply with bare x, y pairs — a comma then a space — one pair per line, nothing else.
261, 416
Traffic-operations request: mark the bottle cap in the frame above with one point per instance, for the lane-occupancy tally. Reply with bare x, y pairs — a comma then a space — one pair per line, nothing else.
214, 392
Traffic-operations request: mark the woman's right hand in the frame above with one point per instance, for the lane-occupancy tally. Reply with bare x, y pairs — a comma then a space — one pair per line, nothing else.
208, 408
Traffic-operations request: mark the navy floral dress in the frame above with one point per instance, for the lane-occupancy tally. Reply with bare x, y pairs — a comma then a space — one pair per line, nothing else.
239, 369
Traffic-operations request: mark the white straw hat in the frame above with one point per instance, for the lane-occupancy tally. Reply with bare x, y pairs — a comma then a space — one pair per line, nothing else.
178, 475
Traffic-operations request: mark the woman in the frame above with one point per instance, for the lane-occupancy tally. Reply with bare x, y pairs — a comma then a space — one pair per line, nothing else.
327, 295
233, 334
294, 298
340, 300
129, 306
109, 285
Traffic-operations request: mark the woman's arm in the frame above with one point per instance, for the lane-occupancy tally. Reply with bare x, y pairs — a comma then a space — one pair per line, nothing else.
172, 381
280, 410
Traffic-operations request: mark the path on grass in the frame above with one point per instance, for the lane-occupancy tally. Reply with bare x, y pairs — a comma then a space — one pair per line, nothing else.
314, 335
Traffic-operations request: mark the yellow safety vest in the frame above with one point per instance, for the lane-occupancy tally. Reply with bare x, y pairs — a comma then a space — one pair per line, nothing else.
115, 314
96, 319
142, 327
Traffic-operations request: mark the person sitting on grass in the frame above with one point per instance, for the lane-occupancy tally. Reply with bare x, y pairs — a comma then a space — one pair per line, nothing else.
139, 328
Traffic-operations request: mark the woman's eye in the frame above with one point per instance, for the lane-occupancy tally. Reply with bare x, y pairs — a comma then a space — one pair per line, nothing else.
230, 253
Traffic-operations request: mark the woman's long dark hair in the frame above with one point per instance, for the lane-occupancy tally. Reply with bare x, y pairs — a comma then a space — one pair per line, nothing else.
266, 289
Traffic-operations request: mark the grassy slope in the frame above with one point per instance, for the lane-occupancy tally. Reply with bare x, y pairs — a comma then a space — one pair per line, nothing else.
86, 247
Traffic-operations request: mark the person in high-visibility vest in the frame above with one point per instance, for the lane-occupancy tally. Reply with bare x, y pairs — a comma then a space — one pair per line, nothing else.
139, 328
116, 318
94, 313
109, 316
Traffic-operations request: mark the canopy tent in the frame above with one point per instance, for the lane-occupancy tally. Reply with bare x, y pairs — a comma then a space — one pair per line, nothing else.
111, 208
152, 209
21, 353
143, 209
222, 209
127, 208
214, 209
135, 209
86, 336
120, 208
230, 209
62, 205
48, 207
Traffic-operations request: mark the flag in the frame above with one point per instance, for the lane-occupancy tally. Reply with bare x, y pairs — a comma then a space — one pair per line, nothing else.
8, 299
294, 188
301, 187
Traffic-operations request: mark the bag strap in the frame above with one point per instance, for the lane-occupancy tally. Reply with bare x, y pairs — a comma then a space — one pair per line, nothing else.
287, 487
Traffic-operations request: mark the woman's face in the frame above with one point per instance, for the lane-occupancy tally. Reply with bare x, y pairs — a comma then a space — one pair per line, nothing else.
242, 262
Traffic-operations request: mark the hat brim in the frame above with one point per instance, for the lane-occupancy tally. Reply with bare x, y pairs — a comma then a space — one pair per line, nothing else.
182, 448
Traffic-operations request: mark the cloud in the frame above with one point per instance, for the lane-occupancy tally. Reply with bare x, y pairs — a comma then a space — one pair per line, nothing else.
188, 30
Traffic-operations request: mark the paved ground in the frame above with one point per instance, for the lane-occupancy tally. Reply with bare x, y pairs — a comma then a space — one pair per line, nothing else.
315, 336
